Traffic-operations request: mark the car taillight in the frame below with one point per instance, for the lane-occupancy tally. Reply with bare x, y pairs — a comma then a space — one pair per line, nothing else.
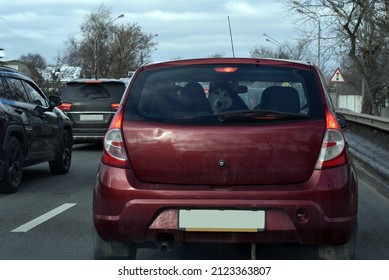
115, 106
333, 150
65, 106
114, 152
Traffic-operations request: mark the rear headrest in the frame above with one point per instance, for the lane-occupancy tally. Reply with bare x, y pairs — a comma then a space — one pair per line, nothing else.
283, 99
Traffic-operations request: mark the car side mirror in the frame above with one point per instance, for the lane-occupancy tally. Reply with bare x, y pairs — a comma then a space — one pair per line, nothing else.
341, 120
55, 101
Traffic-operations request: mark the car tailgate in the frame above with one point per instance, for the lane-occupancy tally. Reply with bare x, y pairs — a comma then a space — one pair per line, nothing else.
223, 155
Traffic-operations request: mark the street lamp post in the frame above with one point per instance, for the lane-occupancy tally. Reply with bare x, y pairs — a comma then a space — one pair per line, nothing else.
276, 43
272, 40
96, 48
315, 17
145, 47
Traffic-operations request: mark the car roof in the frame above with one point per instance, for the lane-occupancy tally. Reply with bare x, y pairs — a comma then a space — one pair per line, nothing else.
232, 60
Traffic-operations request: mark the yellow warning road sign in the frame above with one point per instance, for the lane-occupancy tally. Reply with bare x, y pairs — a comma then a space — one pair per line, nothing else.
337, 76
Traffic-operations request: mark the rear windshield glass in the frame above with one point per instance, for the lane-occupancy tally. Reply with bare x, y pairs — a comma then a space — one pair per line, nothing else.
79, 91
224, 93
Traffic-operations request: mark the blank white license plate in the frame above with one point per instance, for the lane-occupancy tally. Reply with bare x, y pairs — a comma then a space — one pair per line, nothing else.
221, 220
92, 117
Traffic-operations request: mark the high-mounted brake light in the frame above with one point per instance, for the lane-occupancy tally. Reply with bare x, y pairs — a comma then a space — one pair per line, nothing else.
226, 69
93, 81
333, 149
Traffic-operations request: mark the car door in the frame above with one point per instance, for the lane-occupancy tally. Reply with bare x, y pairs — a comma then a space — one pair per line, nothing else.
48, 131
30, 119
21, 112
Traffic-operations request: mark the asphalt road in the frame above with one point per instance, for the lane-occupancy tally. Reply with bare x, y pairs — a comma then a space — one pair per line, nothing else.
50, 218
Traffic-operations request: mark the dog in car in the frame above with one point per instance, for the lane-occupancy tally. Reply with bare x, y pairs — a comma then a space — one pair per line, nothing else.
222, 98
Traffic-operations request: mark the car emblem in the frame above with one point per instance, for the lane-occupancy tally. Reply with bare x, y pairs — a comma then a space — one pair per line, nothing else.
222, 163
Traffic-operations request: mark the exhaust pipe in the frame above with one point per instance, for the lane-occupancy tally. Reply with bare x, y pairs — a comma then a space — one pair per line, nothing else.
165, 242
165, 246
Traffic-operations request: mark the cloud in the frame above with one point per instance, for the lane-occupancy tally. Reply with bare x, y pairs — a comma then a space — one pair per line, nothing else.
185, 29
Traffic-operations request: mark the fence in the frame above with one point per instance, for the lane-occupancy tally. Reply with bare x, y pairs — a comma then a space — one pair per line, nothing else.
350, 102
374, 121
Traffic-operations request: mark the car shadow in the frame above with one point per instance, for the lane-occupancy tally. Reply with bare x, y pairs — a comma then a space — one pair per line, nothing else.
195, 251
88, 147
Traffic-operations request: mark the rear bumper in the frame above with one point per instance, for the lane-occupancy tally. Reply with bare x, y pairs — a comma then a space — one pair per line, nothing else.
321, 210
88, 135
87, 138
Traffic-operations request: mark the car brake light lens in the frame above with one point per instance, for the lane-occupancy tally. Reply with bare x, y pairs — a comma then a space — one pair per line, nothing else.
225, 69
65, 106
114, 153
333, 149
115, 106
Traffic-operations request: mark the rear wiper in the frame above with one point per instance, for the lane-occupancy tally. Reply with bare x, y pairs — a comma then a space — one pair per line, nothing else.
259, 115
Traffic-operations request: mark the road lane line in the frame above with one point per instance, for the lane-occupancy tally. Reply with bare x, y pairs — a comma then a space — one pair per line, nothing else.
43, 218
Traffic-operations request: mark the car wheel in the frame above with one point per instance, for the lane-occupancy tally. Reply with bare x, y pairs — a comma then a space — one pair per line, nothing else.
344, 251
104, 249
61, 164
13, 167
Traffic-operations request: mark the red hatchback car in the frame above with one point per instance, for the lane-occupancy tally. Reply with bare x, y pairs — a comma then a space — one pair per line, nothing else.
229, 150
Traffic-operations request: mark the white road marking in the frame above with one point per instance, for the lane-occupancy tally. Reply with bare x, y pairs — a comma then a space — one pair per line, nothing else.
43, 218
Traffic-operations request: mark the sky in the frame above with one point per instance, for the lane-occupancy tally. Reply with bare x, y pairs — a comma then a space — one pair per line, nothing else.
186, 29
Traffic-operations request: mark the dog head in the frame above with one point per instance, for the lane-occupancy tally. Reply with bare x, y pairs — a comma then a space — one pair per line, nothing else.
220, 99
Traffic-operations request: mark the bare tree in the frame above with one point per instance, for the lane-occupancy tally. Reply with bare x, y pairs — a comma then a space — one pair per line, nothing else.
361, 29
266, 52
106, 49
298, 50
36, 63
35, 60
131, 48
217, 55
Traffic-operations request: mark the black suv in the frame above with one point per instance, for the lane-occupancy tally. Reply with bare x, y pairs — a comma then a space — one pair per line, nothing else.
91, 104
32, 130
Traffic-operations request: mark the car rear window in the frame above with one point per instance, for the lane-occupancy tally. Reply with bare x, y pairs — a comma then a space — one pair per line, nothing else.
201, 94
85, 91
